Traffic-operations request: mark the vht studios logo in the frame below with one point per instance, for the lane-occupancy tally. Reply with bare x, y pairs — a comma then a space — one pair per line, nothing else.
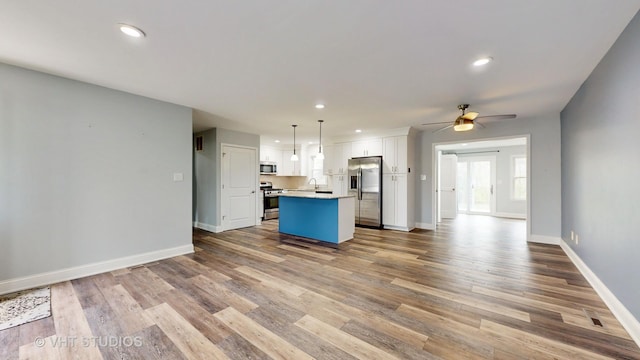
92, 341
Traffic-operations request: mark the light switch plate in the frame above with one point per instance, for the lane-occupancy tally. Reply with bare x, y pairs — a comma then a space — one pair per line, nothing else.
178, 177
423, 177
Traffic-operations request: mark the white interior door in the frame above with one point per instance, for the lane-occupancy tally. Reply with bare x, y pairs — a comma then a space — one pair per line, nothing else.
447, 186
239, 187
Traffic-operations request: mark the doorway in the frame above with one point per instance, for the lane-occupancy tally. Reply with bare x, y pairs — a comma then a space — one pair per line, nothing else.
239, 187
491, 179
476, 182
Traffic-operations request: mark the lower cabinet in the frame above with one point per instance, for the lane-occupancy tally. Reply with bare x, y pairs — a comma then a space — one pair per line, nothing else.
395, 201
339, 183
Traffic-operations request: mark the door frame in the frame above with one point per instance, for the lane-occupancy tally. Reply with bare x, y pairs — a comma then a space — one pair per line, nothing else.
222, 203
435, 168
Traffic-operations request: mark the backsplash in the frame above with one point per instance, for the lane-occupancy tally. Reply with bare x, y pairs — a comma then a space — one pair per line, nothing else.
285, 182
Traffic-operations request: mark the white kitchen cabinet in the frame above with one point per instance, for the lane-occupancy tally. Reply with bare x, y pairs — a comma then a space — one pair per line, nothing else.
394, 157
290, 168
370, 147
341, 156
327, 165
395, 204
268, 153
339, 183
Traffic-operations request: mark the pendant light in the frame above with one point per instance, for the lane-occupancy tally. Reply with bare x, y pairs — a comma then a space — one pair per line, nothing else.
320, 155
294, 157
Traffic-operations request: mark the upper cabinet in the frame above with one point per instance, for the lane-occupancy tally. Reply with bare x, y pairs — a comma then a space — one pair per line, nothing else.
327, 164
288, 167
341, 156
268, 153
370, 147
394, 157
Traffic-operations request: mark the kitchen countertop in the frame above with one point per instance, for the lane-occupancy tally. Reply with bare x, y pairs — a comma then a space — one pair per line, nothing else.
305, 190
313, 195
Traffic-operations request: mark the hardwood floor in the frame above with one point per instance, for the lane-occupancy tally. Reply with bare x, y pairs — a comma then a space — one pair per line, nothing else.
476, 291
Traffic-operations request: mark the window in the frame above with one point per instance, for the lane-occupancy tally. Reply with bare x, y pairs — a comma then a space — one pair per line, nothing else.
317, 171
519, 177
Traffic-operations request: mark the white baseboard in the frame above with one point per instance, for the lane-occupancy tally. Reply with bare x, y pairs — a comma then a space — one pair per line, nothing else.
628, 321
52, 277
207, 227
399, 228
542, 239
510, 215
425, 226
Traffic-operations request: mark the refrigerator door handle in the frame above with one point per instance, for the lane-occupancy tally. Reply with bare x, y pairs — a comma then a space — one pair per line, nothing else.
360, 184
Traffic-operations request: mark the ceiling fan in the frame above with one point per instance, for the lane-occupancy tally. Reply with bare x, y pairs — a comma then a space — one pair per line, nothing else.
466, 121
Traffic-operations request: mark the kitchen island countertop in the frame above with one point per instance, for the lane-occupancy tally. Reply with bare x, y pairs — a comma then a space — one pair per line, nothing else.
313, 195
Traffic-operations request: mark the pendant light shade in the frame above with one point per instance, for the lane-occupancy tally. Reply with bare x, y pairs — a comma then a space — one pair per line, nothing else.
294, 157
320, 155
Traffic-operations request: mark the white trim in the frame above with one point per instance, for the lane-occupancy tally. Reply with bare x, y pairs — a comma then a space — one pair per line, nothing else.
425, 226
510, 215
207, 227
399, 228
56, 276
542, 239
628, 321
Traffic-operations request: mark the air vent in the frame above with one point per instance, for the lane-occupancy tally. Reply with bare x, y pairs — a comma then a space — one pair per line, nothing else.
593, 317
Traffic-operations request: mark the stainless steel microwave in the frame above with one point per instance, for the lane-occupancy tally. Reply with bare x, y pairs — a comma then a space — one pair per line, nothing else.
268, 168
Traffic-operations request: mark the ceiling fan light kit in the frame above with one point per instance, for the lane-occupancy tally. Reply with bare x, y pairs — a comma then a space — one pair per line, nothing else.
463, 124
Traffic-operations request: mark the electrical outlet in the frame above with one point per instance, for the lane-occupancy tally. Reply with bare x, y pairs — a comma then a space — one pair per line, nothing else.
577, 239
572, 236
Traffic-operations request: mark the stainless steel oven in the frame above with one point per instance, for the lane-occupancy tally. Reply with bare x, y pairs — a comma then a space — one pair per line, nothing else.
271, 200
271, 208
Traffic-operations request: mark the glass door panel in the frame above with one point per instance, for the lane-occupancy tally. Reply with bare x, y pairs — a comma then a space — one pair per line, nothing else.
481, 189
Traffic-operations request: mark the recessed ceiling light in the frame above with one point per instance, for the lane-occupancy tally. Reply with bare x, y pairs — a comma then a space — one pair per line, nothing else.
131, 30
358, 130
483, 61
465, 144
319, 106
310, 142
277, 141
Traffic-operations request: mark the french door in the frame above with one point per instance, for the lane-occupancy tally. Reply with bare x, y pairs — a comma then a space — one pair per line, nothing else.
476, 179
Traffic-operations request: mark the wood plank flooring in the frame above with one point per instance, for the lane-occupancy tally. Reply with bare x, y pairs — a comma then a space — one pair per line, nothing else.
473, 289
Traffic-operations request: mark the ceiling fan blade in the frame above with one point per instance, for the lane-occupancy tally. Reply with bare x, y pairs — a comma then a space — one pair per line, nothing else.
438, 123
470, 115
444, 128
498, 117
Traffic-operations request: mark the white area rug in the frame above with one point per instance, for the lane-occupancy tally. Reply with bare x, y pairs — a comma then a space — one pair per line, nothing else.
24, 306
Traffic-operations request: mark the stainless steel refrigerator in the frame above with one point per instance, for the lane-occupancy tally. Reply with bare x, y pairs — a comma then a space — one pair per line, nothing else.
365, 183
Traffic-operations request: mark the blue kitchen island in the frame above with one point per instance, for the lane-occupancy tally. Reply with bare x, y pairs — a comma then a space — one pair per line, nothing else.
324, 217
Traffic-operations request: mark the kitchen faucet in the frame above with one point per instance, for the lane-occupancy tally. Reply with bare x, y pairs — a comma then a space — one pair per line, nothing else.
315, 183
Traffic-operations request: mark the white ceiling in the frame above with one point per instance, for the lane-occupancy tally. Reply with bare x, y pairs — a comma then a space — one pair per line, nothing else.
260, 65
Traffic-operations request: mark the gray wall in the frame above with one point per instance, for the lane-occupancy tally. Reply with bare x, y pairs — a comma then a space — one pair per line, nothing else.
545, 214
504, 204
207, 171
600, 147
86, 174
